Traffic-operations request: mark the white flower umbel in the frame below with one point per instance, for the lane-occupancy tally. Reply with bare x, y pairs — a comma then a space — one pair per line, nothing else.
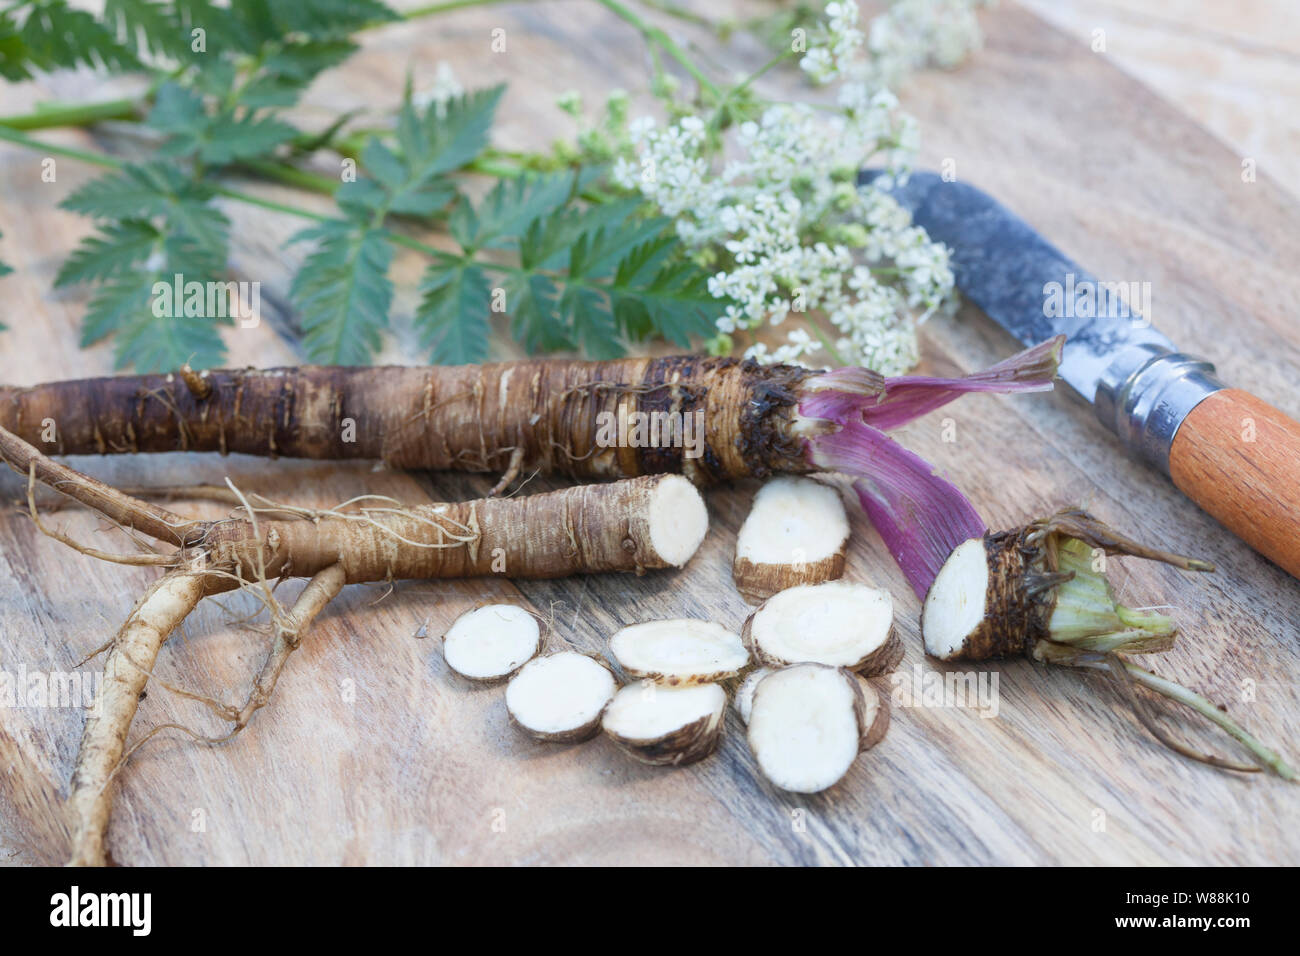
787, 224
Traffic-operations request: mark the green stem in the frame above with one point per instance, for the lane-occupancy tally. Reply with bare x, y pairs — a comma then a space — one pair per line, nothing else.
432, 9
831, 350
75, 114
653, 34
292, 176
12, 135
1189, 698
105, 161
719, 114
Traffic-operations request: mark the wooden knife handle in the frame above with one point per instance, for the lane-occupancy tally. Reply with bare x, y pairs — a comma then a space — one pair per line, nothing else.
1239, 458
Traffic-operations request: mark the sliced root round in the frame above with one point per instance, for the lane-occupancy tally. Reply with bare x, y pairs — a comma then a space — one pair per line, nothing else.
666, 726
809, 722
797, 533
679, 652
677, 519
744, 699
838, 623
491, 642
560, 697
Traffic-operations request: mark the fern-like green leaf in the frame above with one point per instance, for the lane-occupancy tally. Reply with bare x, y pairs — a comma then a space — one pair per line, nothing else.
453, 316
158, 191
179, 112
288, 71
118, 247
149, 28
343, 292
155, 224
508, 209
39, 36
653, 295
412, 181
329, 19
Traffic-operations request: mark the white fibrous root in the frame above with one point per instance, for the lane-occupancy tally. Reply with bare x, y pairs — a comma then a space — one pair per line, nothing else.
744, 699
560, 697
491, 642
666, 726
809, 722
838, 623
797, 533
679, 652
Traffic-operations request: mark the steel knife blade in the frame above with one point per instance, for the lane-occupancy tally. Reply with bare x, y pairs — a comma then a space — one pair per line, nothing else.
1235, 455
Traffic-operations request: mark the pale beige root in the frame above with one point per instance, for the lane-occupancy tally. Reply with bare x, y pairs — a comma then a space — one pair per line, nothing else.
744, 699
560, 697
127, 666
666, 726
130, 513
491, 642
634, 525
679, 652
320, 590
797, 532
809, 722
836, 623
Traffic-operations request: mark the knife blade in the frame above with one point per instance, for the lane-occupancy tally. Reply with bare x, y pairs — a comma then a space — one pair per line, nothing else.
1232, 453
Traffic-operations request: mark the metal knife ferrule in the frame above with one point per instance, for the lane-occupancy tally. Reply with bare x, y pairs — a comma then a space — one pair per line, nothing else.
1144, 395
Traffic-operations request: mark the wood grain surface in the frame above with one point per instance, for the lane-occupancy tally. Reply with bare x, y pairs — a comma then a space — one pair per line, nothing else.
372, 752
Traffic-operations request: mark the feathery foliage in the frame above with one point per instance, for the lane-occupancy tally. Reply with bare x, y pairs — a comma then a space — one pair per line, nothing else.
567, 266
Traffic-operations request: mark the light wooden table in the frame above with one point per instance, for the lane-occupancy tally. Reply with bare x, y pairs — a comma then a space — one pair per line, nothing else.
372, 753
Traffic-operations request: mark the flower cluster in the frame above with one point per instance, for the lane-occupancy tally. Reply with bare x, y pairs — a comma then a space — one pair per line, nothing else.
914, 34
788, 227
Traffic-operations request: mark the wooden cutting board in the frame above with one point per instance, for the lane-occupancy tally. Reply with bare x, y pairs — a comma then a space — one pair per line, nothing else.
371, 752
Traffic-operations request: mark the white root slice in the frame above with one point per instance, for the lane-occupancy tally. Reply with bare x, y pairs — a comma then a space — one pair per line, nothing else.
677, 519
797, 532
744, 699
666, 726
956, 604
679, 651
809, 722
837, 623
491, 642
560, 697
